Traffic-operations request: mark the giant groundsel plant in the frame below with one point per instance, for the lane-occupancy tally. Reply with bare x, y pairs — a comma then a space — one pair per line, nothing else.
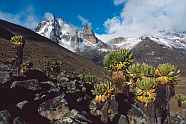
142, 80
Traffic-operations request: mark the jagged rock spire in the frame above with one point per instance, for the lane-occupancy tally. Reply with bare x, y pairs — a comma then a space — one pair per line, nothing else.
88, 34
55, 33
67, 35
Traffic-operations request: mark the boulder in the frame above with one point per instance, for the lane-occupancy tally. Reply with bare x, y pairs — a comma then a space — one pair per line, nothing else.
123, 120
5, 117
18, 120
4, 76
54, 109
32, 84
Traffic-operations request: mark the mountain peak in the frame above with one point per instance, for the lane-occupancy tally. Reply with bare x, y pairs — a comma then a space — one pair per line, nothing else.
67, 35
171, 40
87, 29
89, 34
49, 17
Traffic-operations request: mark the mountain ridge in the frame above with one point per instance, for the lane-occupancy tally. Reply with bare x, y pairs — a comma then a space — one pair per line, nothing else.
37, 47
146, 48
58, 30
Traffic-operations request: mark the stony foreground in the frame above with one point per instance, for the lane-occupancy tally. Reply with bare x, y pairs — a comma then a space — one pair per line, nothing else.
36, 99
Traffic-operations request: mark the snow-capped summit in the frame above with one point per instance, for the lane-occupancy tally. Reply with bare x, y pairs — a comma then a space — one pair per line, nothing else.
159, 48
68, 36
154, 49
162, 47
175, 40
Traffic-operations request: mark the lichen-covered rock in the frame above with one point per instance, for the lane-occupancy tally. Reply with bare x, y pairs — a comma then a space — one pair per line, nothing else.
54, 109
123, 120
18, 120
178, 118
58, 112
21, 104
27, 84
5, 72
5, 117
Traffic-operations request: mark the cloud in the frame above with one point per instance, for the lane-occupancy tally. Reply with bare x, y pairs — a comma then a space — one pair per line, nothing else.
26, 18
118, 2
140, 17
84, 20
48, 15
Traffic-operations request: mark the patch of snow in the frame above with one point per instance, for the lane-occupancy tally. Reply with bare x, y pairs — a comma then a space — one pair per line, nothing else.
65, 34
173, 42
170, 41
128, 44
68, 36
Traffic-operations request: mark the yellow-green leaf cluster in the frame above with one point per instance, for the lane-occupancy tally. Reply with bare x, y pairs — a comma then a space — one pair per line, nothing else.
118, 60
143, 81
103, 91
146, 83
17, 40
142, 78
166, 74
88, 78
139, 70
145, 96
181, 98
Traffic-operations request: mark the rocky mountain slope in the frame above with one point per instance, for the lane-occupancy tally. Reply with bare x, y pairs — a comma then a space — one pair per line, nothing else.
35, 98
38, 47
156, 49
154, 53
175, 40
66, 35
31, 99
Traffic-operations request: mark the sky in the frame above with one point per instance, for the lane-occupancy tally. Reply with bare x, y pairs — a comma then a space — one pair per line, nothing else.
108, 18
76, 12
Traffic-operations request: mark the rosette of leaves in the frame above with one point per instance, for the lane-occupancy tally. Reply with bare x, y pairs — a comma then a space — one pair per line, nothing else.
118, 60
166, 74
103, 91
146, 96
145, 90
88, 78
146, 83
137, 71
181, 99
17, 40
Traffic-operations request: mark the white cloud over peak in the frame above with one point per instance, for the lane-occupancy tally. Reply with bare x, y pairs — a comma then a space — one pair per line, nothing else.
84, 20
118, 2
140, 17
26, 18
48, 15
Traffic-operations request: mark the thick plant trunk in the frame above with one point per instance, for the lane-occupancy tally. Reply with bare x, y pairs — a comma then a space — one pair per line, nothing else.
162, 104
168, 96
19, 59
150, 113
118, 76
